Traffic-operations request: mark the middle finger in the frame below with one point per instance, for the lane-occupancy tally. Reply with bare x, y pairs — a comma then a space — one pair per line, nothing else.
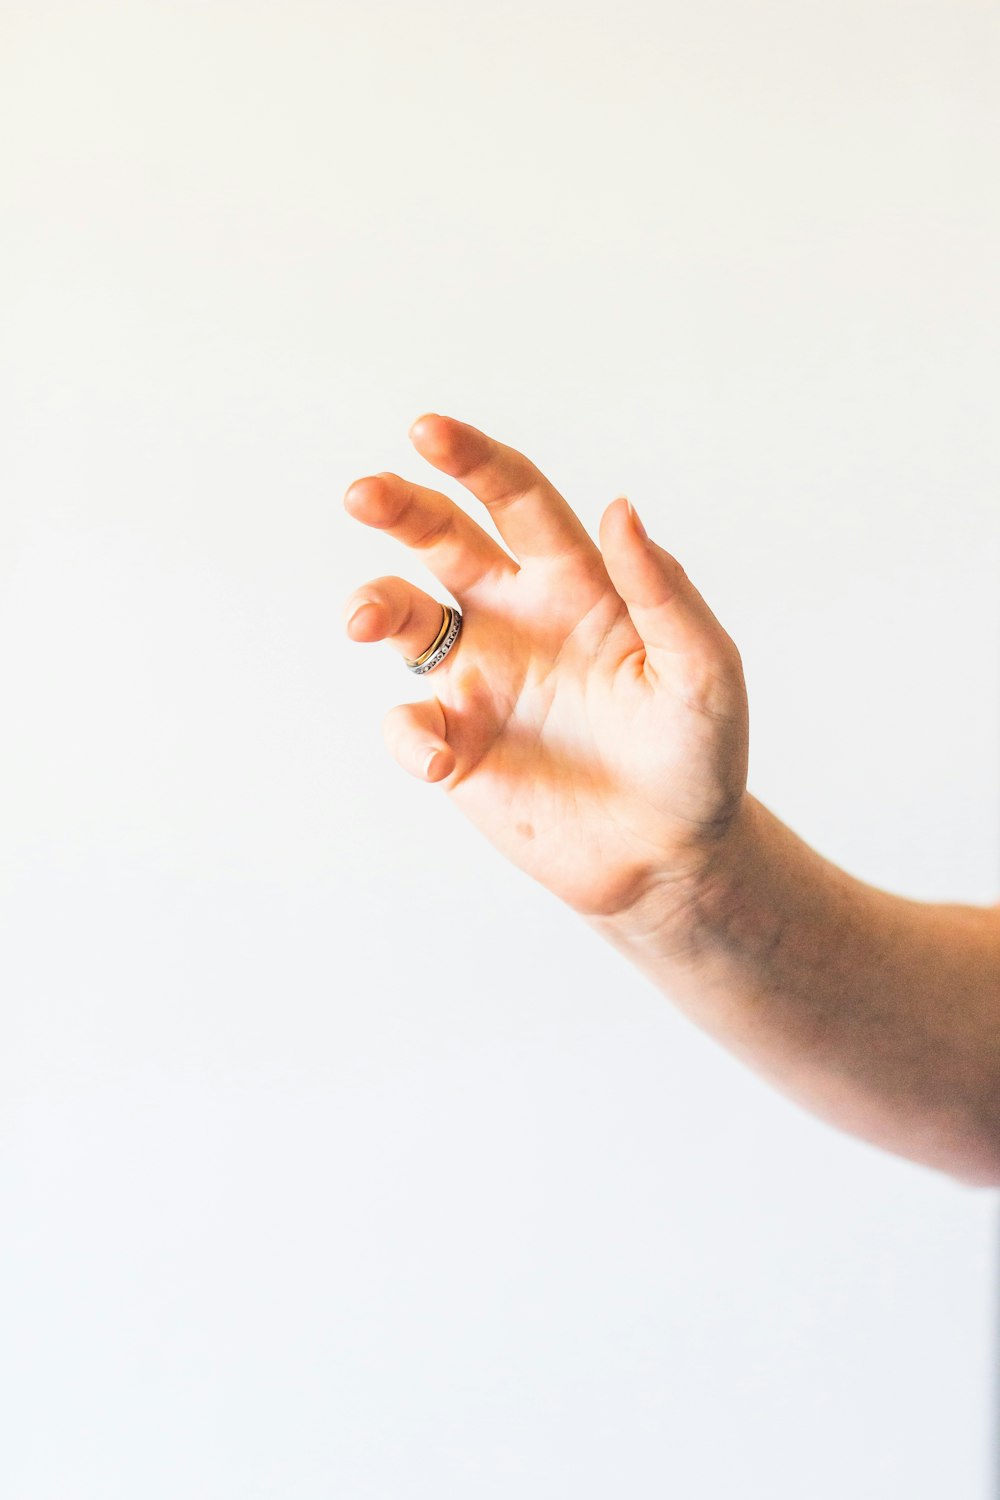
457, 550
530, 514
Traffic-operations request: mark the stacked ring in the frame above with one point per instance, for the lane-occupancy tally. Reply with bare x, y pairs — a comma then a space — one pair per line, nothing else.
451, 626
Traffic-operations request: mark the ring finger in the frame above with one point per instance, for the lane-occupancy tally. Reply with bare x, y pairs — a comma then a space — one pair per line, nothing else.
394, 610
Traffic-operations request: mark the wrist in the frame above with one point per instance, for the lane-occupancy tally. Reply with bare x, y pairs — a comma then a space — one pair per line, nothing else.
686, 914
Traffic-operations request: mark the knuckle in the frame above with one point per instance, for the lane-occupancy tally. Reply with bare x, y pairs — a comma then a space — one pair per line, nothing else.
735, 659
386, 584
503, 473
511, 496
510, 488
518, 477
376, 591
406, 614
435, 527
705, 684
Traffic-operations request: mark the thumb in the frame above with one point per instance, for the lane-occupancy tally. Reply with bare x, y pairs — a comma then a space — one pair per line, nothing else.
414, 734
666, 609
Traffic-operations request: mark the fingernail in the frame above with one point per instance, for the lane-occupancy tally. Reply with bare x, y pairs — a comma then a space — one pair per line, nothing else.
431, 763
633, 517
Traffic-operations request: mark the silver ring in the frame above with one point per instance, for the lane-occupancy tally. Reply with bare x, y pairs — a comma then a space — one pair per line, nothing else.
451, 635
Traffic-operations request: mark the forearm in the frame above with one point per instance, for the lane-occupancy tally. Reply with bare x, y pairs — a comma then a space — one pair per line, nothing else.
879, 1013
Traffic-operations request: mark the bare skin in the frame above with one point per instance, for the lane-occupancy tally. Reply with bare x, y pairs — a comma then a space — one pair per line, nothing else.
592, 722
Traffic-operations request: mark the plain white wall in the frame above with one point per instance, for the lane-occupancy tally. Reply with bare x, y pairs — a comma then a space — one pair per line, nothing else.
338, 1159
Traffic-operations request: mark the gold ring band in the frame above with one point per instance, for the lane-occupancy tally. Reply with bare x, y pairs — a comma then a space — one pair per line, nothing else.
418, 661
443, 643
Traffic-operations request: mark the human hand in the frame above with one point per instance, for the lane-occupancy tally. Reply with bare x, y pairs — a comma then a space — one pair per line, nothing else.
591, 719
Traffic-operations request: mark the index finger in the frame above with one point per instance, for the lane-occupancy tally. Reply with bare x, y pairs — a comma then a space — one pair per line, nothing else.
527, 510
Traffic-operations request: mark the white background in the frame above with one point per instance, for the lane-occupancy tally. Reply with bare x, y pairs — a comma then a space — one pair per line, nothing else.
337, 1158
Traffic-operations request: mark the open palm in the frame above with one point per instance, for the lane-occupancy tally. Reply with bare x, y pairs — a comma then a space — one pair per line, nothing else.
591, 719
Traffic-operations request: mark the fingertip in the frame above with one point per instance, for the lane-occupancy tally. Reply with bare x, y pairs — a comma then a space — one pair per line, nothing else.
359, 495
435, 437
428, 417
